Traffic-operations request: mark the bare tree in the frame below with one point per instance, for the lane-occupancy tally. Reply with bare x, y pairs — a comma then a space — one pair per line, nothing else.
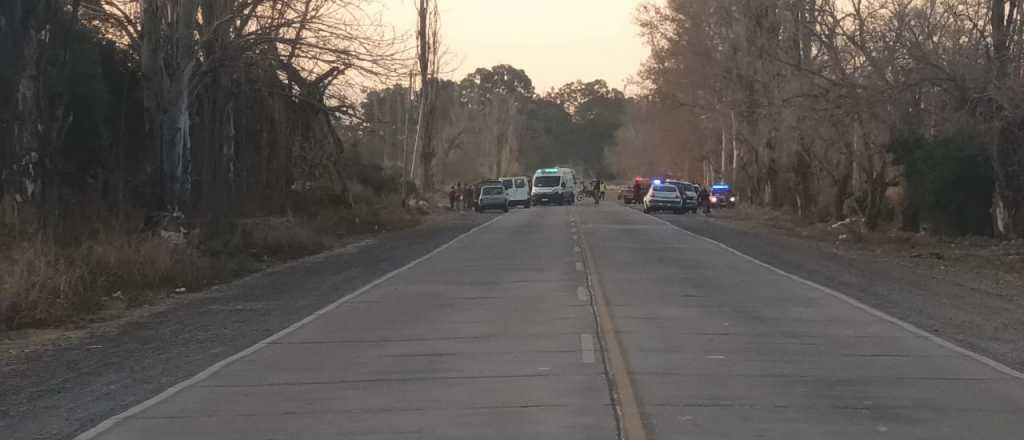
428, 58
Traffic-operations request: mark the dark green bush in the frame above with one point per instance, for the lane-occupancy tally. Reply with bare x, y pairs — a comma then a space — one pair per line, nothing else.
948, 184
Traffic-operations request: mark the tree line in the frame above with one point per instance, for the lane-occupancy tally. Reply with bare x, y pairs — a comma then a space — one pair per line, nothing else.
893, 110
493, 123
167, 112
186, 110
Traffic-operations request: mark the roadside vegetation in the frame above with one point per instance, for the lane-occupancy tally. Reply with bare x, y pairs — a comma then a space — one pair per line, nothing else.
155, 146
902, 114
44, 282
149, 147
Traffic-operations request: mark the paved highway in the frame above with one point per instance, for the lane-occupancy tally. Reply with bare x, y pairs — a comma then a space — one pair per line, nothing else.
579, 323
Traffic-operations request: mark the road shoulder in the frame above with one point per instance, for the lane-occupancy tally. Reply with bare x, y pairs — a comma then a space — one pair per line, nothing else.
69, 387
983, 318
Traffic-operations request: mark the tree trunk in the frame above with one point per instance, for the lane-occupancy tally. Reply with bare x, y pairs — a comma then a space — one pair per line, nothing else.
427, 60
1007, 159
168, 57
219, 180
842, 192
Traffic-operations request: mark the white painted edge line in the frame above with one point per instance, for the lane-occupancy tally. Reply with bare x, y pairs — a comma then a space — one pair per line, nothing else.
587, 348
109, 423
992, 363
579, 267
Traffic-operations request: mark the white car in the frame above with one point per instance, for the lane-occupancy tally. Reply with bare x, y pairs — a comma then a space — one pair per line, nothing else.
492, 197
689, 192
518, 190
663, 197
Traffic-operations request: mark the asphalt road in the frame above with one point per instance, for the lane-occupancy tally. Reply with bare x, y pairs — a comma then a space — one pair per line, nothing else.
573, 323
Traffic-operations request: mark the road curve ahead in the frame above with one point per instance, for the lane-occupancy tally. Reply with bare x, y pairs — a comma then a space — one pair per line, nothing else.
495, 337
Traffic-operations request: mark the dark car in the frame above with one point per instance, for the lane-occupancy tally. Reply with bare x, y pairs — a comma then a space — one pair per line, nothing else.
722, 196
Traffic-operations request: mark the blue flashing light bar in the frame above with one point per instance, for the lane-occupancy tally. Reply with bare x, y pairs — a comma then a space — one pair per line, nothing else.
721, 186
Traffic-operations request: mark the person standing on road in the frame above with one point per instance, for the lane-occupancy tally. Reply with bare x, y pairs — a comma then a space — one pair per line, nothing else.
704, 199
636, 193
452, 198
467, 197
458, 196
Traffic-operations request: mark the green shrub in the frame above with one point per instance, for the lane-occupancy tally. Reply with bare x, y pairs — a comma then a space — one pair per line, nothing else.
948, 183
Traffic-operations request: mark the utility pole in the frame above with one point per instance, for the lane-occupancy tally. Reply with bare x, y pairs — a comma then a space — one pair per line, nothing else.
405, 140
735, 153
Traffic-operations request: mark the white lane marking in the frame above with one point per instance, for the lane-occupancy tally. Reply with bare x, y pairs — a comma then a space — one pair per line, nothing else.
109, 423
575, 237
576, 249
716, 356
587, 348
994, 364
582, 294
579, 266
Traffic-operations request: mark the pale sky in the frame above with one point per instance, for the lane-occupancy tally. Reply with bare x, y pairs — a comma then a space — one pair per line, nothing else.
554, 41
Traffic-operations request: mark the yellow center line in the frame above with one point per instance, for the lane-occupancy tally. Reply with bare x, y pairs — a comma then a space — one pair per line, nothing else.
630, 419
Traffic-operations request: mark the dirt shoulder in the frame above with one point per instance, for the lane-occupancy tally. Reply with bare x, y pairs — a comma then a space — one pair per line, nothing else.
81, 377
969, 291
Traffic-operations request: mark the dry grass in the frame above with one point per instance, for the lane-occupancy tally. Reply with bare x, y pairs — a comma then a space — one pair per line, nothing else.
280, 238
43, 284
135, 265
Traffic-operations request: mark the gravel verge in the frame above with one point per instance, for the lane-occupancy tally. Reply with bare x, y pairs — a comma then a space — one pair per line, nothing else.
73, 383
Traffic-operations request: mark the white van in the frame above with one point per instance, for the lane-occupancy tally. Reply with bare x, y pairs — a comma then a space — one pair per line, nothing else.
518, 190
554, 185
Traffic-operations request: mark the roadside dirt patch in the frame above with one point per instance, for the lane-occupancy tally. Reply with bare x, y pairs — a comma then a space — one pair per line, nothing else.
978, 262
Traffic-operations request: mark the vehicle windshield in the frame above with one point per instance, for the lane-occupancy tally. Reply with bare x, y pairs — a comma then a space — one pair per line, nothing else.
547, 181
665, 189
493, 191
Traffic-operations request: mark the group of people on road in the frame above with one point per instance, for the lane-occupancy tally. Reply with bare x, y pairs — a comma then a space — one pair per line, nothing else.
597, 192
463, 197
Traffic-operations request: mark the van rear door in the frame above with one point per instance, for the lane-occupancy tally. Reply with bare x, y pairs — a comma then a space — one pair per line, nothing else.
518, 189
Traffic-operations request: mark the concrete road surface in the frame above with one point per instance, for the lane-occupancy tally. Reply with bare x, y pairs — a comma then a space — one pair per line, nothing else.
499, 336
